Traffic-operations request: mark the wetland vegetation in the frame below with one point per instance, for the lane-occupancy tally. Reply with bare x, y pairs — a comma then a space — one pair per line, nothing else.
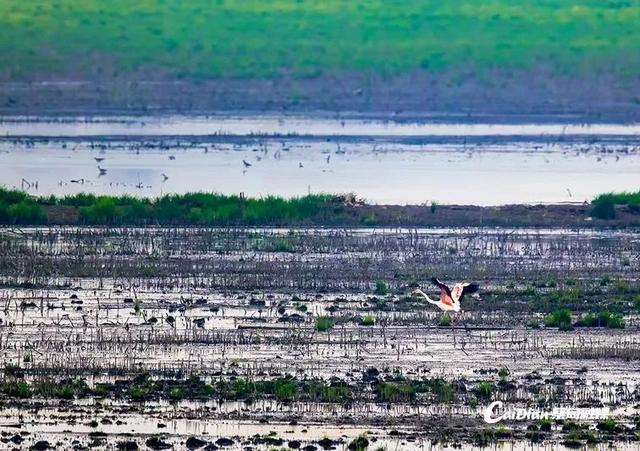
135, 314
287, 328
212, 209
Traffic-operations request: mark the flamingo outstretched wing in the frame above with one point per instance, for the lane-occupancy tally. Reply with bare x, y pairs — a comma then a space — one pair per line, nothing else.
445, 292
460, 289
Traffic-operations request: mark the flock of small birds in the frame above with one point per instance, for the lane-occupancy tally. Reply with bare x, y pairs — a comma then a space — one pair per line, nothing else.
261, 152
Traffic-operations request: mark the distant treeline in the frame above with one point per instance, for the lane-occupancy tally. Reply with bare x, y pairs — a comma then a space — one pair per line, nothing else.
17, 207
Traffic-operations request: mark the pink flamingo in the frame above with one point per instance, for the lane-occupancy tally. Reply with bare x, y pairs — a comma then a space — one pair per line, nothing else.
449, 298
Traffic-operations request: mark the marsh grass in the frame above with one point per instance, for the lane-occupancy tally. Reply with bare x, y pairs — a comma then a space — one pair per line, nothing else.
324, 323
191, 208
602, 319
445, 320
604, 205
381, 288
367, 320
560, 318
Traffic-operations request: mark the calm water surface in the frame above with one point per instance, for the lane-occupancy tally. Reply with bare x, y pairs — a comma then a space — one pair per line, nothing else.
383, 162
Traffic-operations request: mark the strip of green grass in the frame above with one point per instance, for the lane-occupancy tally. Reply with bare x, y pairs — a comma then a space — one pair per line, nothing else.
17, 207
604, 205
264, 38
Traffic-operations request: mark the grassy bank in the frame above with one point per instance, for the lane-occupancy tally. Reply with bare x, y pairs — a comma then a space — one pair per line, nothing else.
203, 39
605, 205
211, 209
190, 209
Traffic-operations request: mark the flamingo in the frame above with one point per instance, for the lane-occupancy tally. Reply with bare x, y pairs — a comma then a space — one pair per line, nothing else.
449, 298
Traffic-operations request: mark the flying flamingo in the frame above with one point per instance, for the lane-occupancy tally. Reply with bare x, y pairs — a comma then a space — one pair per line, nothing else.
449, 298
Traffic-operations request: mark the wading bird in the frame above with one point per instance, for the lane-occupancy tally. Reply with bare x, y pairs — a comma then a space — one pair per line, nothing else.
449, 298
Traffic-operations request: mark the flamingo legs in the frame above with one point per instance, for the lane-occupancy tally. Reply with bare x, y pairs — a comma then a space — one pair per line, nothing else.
454, 318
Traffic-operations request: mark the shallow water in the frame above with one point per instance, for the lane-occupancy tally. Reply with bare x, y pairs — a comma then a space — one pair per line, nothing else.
384, 172
286, 125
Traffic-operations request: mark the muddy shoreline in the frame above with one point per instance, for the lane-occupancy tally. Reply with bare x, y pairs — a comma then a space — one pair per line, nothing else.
571, 216
511, 97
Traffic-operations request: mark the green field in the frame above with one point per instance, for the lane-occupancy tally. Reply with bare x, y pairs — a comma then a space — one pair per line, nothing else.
205, 39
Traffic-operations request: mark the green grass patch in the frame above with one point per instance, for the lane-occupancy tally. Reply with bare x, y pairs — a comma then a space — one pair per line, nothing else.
324, 323
381, 288
203, 39
368, 320
190, 209
602, 319
603, 206
445, 320
395, 392
560, 318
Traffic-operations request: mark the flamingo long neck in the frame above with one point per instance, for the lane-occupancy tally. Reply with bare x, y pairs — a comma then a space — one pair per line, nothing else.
429, 300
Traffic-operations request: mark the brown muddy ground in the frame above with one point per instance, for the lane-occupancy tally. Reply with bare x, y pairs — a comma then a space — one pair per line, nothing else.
505, 96
568, 215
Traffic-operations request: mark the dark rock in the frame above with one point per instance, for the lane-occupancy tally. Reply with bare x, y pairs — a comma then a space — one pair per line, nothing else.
359, 443
127, 446
97, 434
156, 443
294, 444
16, 439
327, 443
41, 445
224, 441
195, 443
